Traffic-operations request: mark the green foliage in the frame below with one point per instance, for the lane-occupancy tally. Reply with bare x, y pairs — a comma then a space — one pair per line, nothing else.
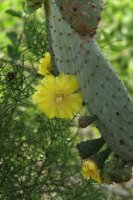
37, 155
116, 38
36, 42
14, 13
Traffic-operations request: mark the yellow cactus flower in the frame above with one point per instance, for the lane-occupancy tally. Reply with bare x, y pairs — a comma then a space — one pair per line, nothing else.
58, 96
45, 64
90, 169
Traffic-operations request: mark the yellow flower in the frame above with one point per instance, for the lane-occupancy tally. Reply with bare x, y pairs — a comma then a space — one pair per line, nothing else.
58, 96
90, 169
45, 64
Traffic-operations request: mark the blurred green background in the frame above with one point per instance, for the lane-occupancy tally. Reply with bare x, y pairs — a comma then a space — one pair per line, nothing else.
38, 158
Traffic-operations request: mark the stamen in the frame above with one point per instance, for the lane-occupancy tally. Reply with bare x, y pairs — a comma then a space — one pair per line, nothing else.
59, 98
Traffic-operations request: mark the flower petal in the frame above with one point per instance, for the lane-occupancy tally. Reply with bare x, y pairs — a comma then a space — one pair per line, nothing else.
50, 89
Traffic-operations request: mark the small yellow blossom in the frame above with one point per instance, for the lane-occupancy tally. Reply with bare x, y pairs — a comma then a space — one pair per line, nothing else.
90, 169
58, 96
45, 64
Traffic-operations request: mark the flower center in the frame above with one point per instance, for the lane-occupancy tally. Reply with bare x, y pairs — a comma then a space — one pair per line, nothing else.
59, 98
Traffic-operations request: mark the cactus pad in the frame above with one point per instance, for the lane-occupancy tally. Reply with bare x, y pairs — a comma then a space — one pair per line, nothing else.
104, 93
83, 15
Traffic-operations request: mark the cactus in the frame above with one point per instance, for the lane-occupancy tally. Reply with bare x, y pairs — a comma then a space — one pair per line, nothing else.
104, 93
90, 147
101, 157
85, 121
62, 39
83, 16
115, 170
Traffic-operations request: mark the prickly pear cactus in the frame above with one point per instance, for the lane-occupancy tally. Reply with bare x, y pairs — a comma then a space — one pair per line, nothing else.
106, 98
75, 51
62, 38
90, 67
83, 16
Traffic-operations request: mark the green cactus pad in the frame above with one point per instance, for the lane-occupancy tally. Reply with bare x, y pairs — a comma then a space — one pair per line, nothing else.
83, 15
116, 171
101, 157
104, 93
85, 121
62, 39
122, 173
90, 147
107, 98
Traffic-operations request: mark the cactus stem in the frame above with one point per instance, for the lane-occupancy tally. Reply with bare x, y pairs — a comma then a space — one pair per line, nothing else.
85, 121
